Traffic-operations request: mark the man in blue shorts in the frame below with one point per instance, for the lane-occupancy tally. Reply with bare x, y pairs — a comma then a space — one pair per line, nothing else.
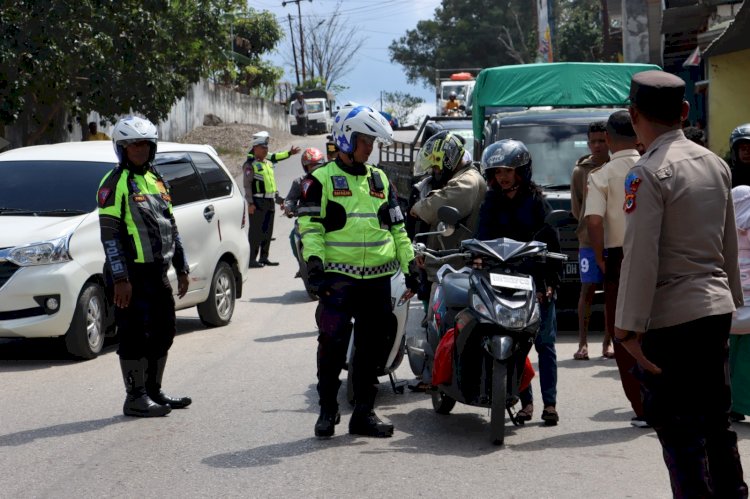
591, 274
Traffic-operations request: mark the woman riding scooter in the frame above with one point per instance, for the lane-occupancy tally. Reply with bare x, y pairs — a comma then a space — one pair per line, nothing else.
514, 207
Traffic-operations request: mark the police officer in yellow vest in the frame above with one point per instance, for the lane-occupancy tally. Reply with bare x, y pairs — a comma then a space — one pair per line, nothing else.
260, 193
140, 241
354, 240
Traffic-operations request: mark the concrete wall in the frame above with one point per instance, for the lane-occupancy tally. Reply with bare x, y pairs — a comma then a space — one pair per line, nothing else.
728, 75
187, 114
635, 32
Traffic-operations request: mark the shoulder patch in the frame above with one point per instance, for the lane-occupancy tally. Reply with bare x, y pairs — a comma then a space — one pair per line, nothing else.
103, 196
632, 182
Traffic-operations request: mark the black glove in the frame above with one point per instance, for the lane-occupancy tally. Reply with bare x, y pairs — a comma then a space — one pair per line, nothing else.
315, 273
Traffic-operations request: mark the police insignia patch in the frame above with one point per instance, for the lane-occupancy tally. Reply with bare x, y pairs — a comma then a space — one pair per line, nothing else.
632, 182
103, 195
340, 186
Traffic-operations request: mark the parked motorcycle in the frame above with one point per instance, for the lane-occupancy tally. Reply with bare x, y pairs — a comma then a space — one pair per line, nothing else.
394, 345
494, 316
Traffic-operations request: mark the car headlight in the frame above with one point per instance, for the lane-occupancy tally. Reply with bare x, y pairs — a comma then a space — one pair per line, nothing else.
44, 253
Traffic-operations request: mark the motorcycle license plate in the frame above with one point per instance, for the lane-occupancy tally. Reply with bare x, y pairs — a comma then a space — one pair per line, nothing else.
571, 269
511, 281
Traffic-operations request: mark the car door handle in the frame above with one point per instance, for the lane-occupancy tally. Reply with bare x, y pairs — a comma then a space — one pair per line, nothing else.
209, 213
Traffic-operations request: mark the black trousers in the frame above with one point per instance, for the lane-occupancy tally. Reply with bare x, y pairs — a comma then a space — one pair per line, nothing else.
261, 229
688, 405
147, 326
368, 302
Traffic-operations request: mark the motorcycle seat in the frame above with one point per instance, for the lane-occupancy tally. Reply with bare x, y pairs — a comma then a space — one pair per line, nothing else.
456, 290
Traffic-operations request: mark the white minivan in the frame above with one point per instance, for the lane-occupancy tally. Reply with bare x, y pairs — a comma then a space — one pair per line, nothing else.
51, 256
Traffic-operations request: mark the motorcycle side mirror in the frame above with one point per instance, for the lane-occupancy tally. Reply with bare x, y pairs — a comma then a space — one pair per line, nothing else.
462, 107
449, 215
445, 230
558, 218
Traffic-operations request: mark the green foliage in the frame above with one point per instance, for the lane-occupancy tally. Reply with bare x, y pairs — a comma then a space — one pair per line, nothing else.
463, 34
75, 56
579, 32
401, 104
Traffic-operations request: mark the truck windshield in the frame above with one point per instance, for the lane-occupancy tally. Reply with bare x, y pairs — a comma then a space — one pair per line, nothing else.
554, 149
314, 106
459, 89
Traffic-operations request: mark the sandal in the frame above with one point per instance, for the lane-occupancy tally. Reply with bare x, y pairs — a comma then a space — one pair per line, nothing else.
607, 353
419, 387
525, 414
550, 416
581, 354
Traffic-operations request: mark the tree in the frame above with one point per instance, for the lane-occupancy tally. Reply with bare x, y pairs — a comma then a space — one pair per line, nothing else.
467, 33
400, 105
331, 45
254, 33
582, 28
110, 56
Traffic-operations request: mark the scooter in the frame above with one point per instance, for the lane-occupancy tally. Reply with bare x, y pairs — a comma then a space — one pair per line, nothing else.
492, 315
393, 354
297, 240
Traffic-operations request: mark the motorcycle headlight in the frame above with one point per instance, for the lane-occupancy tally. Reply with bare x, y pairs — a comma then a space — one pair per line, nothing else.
44, 253
535, 313
511, 318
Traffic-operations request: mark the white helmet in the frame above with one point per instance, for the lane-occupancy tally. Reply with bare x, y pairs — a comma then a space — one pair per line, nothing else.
133, 129
260, 139
361, 119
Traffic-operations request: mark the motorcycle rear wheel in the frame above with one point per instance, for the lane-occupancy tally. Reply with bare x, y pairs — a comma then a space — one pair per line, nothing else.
442, 403
499, 394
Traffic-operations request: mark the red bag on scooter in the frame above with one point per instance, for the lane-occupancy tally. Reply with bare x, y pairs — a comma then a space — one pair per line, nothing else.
442, 369
527, 375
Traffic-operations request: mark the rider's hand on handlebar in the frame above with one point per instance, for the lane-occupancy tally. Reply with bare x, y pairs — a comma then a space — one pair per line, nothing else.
419, 261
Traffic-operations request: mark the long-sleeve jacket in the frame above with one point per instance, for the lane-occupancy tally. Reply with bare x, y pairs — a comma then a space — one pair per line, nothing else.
680, 249
521, 218
351, 220
291, 201
465, 191
136, 222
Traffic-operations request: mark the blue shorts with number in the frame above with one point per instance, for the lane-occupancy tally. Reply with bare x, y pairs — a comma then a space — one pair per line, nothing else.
587, 267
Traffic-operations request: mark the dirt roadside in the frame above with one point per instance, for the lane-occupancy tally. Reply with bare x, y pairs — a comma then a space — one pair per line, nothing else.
232, 141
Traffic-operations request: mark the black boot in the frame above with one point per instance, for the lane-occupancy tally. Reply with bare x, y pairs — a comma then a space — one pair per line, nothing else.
137, 402
365, 422
327, 421
154, 375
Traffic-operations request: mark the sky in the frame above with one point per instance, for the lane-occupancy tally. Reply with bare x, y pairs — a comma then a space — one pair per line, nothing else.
380, 22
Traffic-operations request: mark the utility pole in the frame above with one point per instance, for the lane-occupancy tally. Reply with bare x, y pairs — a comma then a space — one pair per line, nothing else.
294, 52
301, 37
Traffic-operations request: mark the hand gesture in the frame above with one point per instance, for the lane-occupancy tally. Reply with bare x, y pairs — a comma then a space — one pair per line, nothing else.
294, 150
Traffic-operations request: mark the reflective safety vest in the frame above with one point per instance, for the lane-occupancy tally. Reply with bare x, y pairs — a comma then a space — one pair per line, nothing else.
264, 181
366, 246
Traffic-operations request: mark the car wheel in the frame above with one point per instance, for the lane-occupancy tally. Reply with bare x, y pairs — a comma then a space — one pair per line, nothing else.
85, 337
217, 310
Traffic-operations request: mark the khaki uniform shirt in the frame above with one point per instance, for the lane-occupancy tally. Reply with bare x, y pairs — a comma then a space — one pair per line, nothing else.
464, 191
578, 180
681, 257
605, 195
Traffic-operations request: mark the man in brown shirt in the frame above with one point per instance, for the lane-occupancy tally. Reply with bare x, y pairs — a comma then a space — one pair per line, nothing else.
679, 285
590, 274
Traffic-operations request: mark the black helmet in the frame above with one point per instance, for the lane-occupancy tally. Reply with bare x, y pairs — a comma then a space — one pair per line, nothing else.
739, 134
507, 153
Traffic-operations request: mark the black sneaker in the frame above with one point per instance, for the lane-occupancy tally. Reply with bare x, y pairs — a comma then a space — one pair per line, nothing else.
269, 262
369, 425
639, 422
255, 265
327, 421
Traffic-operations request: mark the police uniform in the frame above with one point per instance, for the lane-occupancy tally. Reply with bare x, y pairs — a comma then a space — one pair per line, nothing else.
605, 197
261, 190
350, 219
140, 240
680, 284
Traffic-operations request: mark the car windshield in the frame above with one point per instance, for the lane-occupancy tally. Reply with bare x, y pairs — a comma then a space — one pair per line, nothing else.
554, 149
58, 188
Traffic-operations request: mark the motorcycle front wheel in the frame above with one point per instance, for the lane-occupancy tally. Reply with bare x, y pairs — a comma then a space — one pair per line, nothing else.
442, 403
499, 393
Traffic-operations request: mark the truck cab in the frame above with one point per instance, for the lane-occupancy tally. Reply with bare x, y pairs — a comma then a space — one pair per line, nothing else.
320, 107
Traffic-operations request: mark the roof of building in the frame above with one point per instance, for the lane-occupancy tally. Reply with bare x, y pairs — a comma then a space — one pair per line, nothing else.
734, 37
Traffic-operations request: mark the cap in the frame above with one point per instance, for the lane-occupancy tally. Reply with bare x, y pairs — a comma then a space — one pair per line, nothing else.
260, 138
658, 94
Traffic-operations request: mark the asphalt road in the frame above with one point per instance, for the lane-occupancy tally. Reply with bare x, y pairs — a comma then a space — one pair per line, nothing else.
249, 432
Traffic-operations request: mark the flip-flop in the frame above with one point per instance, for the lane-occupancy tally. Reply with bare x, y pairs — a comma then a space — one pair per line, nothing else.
581, 355
608, 355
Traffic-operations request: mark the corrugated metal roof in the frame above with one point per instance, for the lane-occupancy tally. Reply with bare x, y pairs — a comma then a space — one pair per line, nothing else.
734, 37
